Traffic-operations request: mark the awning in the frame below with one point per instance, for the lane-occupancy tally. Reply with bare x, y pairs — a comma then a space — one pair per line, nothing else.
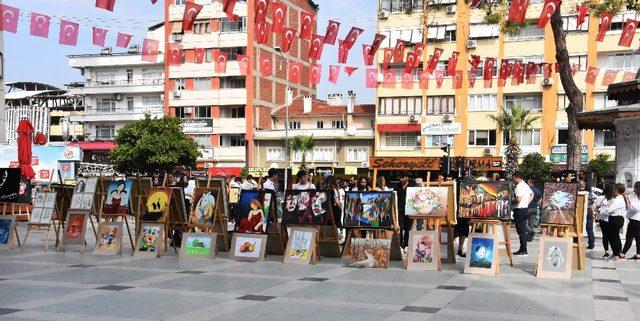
395, 128
225, 171
97, 145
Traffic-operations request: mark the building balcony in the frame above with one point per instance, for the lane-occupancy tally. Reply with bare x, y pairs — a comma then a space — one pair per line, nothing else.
227, 154
119, 87
93, 114
341, 134
215, 126
112, 60
207, 69
216, 97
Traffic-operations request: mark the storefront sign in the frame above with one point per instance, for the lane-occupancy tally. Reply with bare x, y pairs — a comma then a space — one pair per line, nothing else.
559, 154
45, 160
324, 171
258, 171
486, 163
351, 170
442, 129
562, 149
197, 125
405, 163
225, 171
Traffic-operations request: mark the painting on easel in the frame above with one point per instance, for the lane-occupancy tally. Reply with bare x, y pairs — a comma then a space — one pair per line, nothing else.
204, 207
157, 208
427, 201
117, 198
9, 184
306, 207
559, 203
484, 200
252, 212
6, 230
369, 209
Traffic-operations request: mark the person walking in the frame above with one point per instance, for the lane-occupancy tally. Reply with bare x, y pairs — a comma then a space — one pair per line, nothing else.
338, 201
403, 220
616, 210
582, 186
602, 217
303, 181
523, 196
633, 229
363, 185
381, 185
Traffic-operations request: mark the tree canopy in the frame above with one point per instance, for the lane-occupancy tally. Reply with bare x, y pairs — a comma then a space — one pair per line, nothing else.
536, 167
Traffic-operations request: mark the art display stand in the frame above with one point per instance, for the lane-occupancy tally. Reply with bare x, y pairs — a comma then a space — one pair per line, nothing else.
492, 226
219, 225
392, 234
555, 230
315, 255
102, 193
15, 225
568, 231
140, 196
448, 222
327, 236
276, 234
64, 194
430, 223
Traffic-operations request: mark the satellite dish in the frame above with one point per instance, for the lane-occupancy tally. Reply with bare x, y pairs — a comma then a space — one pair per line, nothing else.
351, 131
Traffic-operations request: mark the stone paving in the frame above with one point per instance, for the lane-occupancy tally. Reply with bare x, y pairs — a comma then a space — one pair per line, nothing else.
35, 285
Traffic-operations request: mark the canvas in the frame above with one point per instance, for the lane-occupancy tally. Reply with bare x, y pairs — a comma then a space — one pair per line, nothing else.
424, 251
198, 245
150, 241
368, 209
306, 207
484, 200
9, 184
559, 203
81, 185
117, 197
38, 200
248, 247
178, 213
482, 254
76, 201
157, 207
204, 207
47, 215
6, 230
109, 239
234, 195
219, 184
50, 200
87, 202
36, 215
301, 244
370, 253
555, 257
251, 215
91, 184
24, 192
427, 201
75, 228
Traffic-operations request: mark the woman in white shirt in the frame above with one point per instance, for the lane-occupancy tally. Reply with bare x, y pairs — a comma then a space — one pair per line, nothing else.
303, 181
616, 210
633, 229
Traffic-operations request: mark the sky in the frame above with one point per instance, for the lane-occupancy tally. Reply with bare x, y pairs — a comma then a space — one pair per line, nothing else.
29, 58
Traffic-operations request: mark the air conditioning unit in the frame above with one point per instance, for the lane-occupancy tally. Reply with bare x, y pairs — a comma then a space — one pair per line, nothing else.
134, 49
547, 82
413, 119
487, 152
384, 14
117, 97
161, 97
177, 37
364, 164
447, 118
177, 94
472, 43
451, 9
106, 51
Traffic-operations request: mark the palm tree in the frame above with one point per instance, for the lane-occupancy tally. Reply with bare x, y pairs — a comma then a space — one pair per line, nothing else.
302, 144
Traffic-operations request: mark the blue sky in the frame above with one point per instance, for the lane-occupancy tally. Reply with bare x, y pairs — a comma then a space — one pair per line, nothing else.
37, 59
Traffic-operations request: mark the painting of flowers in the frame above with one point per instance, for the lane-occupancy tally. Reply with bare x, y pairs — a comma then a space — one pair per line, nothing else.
427, 201
559, 203
424, 251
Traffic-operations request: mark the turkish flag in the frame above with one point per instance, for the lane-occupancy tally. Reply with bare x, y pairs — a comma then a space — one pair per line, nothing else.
315, 49
377, 41
417, 52
582, 14
628, 76
475, 61
489, 66
287, 38
40, 25
423, 79
439, 74
265, 34
504, 69
150, 49
475, 3
262, 31
123, 40
243, 64
605, 23
407, 80
315, 74
549, 9
517, 75
398, 52
574, 69
411, 60
265, 65
352, 36
433, 60
306, 25
388, 54
592, 74
518, 10
628, 32
10, 15
278, 15
191, 11
367, 56
457, 79
295, 72
228, 6
343, 52
389, 79
261, 7
199, 55
68, 33
99, 36
331, 34
174, 57
547, 71
532, 72
350, 70
609, 77
371, 78
106, 4
334, 73
220, 59
472, 78
453, 61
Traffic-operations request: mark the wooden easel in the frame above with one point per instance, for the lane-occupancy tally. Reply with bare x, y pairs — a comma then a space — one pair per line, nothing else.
112, 217
493, 225
449, 221
220, 218
63, 200
556, 230
276, 234
431, 223
15, 223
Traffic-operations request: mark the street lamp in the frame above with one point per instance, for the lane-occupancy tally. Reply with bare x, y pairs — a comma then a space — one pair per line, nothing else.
287, 102
447, 149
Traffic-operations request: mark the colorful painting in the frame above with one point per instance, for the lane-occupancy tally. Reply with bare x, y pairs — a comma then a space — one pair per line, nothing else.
555, 257
204, 207
488, 200
157, 209
117, 198
301, 244
252, 215
24, 193
482, 250
150, 240
198, 245
306, 207
75, 228
248, 247
370, 253
109, 238
424, 251
427, 201
369, 209
559, 203
9, 184
6, 230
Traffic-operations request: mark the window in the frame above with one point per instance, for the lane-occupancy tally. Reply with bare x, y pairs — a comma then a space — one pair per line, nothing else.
439, 105
338, 124
524, 138
579, 60
526, 101
625, 62
179, 84
563, 101
129, 76
570, 23
202, 83
319, 124
438, 140
202, 140
237, 112
480, 70
201, 27
482, 137
404, 106
530, 32
233, 52
106, 77
227, 25
130, 103
151, 102
232, 140
179, 112
297, 157
294, 125
106, 105
563, 136
179, 2
105, 132
202, 112
450, 35
605, 138
232, 82
402, 140
323, 154
357, 154
485, 102
275, 155
602, 102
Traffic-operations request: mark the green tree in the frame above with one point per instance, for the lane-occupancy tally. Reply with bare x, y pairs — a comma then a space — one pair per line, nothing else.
302, 145
535, 166
513, 120
151, 144
512, 153
601, 166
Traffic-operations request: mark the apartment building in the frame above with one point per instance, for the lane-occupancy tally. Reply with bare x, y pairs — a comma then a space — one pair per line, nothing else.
223, 110
2, 89
416, 123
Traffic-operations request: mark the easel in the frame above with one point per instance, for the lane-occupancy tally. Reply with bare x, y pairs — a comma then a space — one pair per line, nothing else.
431, 223
39, 227
63, 200
15, 222
113, 217
276, 235
450, 219
219, 217
493, 225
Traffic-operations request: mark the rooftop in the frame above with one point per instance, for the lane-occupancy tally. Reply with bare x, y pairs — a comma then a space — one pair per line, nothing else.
323, 108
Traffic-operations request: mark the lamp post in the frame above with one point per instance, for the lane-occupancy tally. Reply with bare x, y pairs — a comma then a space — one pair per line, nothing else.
287, 102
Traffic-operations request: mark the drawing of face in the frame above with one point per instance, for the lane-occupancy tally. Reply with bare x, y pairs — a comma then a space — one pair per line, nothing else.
318, 209
291, 202
305, 200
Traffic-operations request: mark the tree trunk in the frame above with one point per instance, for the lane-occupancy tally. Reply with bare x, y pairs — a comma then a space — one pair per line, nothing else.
574, 95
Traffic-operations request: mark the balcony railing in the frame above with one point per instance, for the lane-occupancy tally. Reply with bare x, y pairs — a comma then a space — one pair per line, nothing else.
124, 83
122, 111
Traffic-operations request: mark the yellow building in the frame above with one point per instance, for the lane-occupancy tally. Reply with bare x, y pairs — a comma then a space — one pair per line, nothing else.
415, 122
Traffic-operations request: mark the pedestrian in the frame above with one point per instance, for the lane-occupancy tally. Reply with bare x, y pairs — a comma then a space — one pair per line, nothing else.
363, 185
248, 183
616, 209
381, 185
189, 191
633, 229
303, 181
603, 218
523, 196
232, 182
403, 220
591, 238
353, 184
338, 199
534, 208
272, 179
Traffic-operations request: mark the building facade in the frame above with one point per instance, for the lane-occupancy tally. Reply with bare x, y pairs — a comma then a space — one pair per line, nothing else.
223, 110
3, 119
416, 123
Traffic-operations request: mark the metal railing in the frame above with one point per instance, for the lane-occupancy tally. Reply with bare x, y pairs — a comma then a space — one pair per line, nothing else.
124, 83
90, 110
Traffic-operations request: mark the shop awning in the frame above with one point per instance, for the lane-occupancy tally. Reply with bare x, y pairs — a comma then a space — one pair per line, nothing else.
394, 128
97, 145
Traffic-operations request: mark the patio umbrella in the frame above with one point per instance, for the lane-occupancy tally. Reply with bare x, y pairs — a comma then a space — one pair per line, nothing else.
25, 130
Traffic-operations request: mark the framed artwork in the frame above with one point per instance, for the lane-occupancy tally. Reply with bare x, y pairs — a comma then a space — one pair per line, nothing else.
427, 201
90, 185
38, 199
87, 201
370, 253
150, 241
306, 207
76, 201
50, 200
117, 197
482, 254
234, 195
559, 203
368, 209
424, 251
24, 193
220, 184
47, 216
180, 212
75, 228
248, 247
6, 230
36, 215
9, 184
109, 239
252, 212
198, 245
484, 200
301, 244
157, 207
81, 185
204, 207
555, 257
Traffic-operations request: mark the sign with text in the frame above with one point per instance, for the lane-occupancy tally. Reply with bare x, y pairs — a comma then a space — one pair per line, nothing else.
197, 125
442, 129
405, 163
562, 149
486, 163
257, 171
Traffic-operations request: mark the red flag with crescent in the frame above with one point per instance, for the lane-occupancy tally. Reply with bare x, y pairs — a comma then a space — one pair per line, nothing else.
191, 11
243, 64
410, 63
433, 60
350, 70
550, 7
518, 10
40, 25
315, 74
278, 16
418, 51
377, 41
174, 55
123, 40
574, 69
106, 4
68, 33
457, 79
628, 76
228, 6
582, 14
407, 80
371, 80
9, 21
472, 78
388, 54
334, 74
265, 64
423, 79
605, 23
316, 46
398, 51
343, 52
99, 36
352, 36
287, 38
295, 72
592, 74
389, 78
331, 34
609, 77
532, 72
628, 32
366, 55
220, 61
261, 8
199, 55
306, 25
453, 62
150, 48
